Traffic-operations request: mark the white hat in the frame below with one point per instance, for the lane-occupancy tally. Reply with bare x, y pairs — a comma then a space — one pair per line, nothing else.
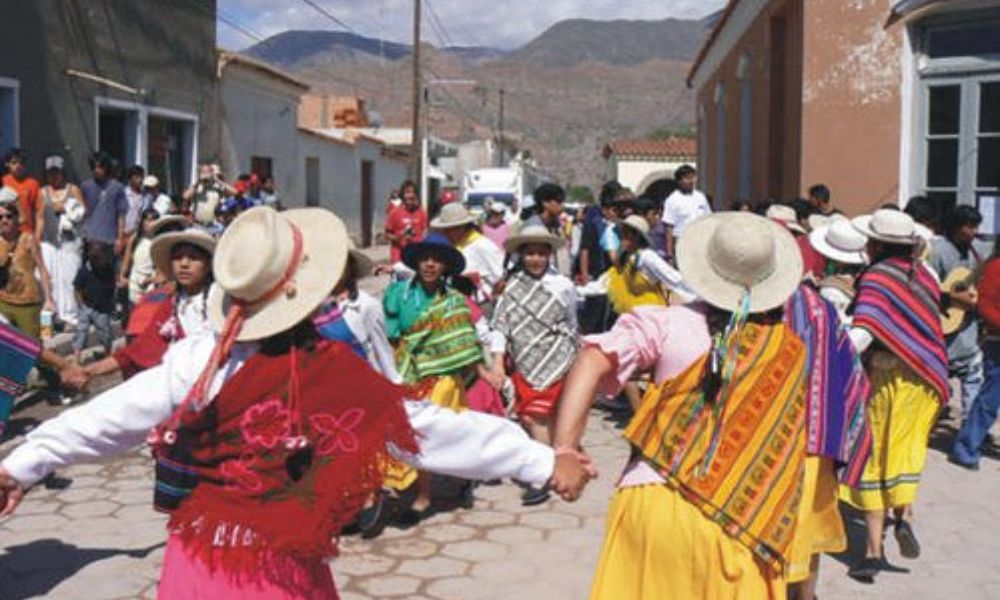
163, 222
497, 207
54, 162
532, 234
889, 226
7, 195
786, 216
453, 215
725, 255
275, 285
163, 246
840, 242
150, 181
639, 225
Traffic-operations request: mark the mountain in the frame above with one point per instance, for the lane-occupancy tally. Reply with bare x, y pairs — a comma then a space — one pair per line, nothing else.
570, 91
574, 41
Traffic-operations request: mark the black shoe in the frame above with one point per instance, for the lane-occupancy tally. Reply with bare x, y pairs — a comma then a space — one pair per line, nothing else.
909, 547
468, 497
967, 466
865, 569
373, 520
535, 496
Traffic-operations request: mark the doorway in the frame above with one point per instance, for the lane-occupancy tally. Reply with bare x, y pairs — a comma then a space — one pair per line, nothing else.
367, 202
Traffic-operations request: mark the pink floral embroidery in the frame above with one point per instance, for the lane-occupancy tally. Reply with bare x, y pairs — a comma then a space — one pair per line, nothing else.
266, 424
336, 434
170, 330
239, 475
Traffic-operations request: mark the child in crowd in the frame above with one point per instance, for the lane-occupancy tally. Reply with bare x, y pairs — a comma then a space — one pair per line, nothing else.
94, 286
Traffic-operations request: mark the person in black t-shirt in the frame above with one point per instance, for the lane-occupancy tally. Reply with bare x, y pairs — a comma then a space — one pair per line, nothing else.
94, 286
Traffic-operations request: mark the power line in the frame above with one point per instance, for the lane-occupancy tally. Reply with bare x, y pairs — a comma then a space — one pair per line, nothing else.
330, 16
438, 26
240, 28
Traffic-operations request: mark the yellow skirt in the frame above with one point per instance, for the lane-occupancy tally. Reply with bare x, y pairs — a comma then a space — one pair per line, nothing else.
658, 545
448, 392
820, 528
902, 413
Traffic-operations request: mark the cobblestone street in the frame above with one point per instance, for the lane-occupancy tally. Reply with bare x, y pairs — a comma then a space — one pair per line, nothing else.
99, 538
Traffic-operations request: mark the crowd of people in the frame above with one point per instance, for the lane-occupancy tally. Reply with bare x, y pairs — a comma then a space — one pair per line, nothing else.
776, 359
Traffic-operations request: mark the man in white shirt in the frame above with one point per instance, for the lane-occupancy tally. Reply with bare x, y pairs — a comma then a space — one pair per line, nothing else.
133, 193
683, 206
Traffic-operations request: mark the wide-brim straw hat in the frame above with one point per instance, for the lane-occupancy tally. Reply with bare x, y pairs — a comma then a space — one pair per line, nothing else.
888, 226
170, 220
726, 255
440, 245
786, 216
533, 234
639, 225
361, 264
453, 215
277, 268
163, 246
840, 242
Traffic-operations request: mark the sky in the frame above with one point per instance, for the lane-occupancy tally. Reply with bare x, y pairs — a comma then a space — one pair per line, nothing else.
496, 23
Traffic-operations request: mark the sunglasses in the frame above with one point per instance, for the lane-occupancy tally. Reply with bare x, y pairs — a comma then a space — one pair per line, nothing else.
6, 217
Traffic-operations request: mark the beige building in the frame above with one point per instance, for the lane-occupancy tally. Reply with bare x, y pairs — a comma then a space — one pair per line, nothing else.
881, 100
637, 164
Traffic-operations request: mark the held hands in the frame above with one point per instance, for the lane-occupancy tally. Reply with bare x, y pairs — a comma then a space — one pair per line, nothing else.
11, 493
573, 469
74, 377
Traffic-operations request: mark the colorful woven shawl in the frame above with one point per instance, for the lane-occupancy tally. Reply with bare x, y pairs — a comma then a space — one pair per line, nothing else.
903, 312
753, 484
838, 390
18, 354
441, 341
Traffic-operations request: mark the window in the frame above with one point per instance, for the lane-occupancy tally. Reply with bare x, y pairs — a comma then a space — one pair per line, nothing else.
168, 151
958, 157
119, 132
10, 119
261, 165
312, 181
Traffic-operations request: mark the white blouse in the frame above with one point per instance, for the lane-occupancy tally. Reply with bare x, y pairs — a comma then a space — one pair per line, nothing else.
469, 445
366, 319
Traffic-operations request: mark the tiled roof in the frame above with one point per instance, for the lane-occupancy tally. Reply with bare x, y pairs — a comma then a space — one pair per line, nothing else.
674, 147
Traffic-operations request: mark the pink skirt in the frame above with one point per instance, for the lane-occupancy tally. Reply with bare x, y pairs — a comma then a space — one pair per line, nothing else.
483, 398
186, 577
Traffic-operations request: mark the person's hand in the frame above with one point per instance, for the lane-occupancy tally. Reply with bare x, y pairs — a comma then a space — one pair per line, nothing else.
11, 493
74, 377
495, 379
122, 281
965, 299
573, 469
49, 305
119, 245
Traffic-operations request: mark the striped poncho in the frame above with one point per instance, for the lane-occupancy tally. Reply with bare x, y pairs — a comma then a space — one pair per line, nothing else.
838, 389
441, 341
900, 305
18, 354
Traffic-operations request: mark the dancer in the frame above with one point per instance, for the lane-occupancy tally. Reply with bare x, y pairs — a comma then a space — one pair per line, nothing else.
253, 421
181, 310
843, 247
728, 401
897, 325
535, 318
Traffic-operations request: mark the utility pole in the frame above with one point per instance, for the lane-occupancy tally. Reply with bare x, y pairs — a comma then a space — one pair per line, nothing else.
417, 142
500, 127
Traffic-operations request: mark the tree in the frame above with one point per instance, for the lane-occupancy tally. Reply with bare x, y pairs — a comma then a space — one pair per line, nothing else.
580, 193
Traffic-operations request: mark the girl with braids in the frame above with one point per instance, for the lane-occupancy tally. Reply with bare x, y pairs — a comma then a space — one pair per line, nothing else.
181, 308
267, 438
706, 507
897, 329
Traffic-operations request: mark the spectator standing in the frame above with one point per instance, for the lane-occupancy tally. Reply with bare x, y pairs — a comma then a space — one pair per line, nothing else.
652, 210
138, 274
685, 205
62, 248
153, 197
268, 197
953, 251
821, 199
27, 188
407, 223
201, 199
22, 297
95, 293
496, 227
106, 204
134, 194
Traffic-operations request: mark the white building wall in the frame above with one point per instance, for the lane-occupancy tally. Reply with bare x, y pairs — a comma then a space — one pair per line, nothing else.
260, 118
635, 174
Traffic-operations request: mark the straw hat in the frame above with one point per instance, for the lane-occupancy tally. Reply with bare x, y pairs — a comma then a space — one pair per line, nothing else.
889, 226
818, 220
163, 246
168, 221
150, 181
840, 242
639, 225
441, 246
277, 283
532, 234
786, 216
724, 255
453, 215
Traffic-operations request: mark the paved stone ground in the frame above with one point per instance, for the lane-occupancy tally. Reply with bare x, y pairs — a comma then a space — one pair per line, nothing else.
98, 538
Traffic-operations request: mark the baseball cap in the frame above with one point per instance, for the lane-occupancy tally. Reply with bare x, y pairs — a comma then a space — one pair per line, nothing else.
54, 162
